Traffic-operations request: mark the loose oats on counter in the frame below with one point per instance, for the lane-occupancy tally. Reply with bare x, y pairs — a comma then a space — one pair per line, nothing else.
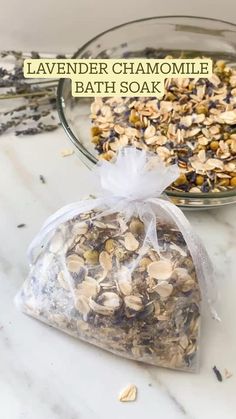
194, 125
123, 272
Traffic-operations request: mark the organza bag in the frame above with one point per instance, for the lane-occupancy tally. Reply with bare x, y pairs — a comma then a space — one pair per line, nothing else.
124, 272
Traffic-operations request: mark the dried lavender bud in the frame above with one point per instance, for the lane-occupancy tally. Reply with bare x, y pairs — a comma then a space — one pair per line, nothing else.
42, 178
40, 128
218, 374
35, 54
59, 56
28, 131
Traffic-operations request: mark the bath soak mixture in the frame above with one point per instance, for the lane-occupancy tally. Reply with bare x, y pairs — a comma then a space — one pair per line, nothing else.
193, 125
125, 271
100, 280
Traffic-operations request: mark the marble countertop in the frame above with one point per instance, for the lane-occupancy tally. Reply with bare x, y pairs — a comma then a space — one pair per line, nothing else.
45, 374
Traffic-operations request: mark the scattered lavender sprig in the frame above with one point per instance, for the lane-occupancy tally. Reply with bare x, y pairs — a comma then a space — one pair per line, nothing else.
29, 106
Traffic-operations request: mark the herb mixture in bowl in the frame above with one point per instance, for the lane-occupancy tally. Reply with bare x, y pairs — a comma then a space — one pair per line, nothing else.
193, 125
195, 122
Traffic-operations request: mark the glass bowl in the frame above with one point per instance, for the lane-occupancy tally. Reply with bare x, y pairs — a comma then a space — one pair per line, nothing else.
169, 35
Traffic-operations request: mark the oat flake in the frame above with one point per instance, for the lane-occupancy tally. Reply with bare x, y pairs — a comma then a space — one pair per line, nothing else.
128, 394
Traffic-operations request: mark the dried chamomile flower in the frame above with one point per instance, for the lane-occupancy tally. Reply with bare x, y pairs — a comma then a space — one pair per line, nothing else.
91, 256
110, 245
136, 226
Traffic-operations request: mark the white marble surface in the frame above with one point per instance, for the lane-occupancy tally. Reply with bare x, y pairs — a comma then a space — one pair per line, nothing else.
45, 374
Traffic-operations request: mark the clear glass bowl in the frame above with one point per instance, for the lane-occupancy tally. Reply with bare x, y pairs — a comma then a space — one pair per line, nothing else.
169, 34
